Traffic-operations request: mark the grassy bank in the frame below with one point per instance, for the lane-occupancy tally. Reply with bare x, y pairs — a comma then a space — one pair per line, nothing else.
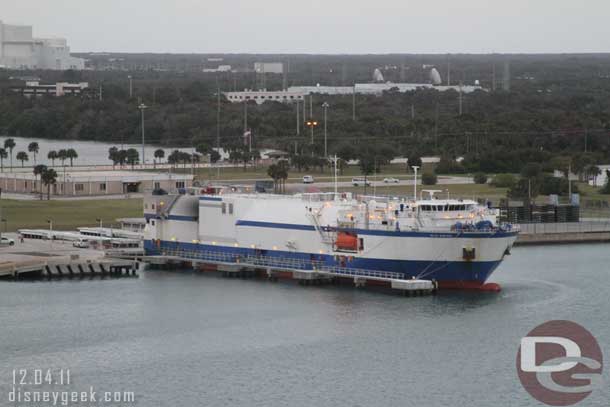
66, 215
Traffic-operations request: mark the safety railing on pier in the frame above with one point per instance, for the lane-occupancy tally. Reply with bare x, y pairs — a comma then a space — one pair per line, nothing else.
278, 263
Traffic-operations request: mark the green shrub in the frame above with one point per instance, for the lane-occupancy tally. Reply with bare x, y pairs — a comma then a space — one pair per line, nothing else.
429, 178
480, 178
503, 181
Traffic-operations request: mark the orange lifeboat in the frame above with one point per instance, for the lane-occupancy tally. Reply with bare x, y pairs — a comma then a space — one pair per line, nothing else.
347, 241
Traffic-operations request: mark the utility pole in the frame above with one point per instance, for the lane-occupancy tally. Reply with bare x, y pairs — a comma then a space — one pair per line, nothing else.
218, 131
245, 116
415, 168
461, 99
325, 105
354, 104
436, 127
143, 107
412, 111
586, 139
311, 105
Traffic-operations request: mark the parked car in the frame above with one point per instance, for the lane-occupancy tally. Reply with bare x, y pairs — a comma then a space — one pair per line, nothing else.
308, 179
81, 244
5, 241
358, 181
391, 180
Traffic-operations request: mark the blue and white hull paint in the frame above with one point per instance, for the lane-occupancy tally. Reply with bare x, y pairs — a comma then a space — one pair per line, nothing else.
392, 236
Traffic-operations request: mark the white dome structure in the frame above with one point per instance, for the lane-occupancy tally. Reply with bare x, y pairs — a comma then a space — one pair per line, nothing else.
377, 75
435, 77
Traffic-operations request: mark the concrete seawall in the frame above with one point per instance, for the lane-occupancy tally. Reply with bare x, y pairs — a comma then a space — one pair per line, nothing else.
564, 233
562, 238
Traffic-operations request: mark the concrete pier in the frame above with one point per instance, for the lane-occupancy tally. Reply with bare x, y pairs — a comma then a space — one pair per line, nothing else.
53, 259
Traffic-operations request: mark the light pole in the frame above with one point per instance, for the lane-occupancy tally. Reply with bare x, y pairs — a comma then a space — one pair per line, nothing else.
50, 222
325, 105
143, 107
415, 168
311, 124
130, 86
298, 120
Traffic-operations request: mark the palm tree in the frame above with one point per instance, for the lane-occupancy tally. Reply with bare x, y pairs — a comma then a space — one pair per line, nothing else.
23, 157
132, 156
63, 156
3, 156
113, 155
33, 148
52, 156
159, 154
49, 177
38, 171
9, 144
71, 154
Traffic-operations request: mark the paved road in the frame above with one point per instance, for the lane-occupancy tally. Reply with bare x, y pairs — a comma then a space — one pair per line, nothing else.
42, 250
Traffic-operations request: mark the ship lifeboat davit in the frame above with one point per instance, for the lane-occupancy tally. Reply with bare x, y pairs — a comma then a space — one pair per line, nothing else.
347, 241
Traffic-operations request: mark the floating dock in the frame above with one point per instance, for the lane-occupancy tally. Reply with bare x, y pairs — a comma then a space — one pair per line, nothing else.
74, 268
306, 273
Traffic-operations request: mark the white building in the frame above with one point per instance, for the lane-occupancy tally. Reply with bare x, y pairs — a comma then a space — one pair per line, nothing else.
600, 180
35, 88
269, 67
20, 50
221, 68
261, 96
379, 88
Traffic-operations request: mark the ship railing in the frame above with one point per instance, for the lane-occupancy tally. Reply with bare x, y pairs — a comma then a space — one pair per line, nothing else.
278, 262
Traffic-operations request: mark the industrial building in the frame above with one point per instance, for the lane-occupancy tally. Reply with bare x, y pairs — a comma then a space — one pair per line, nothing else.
20, 50
35, 88
84, 183
269, 67
261, 96
379, 88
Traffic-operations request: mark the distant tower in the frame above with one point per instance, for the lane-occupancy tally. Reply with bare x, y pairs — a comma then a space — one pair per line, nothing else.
506, 81
403, 72
377, 76
285, 76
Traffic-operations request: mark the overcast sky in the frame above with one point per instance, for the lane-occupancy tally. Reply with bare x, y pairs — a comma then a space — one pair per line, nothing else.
319, 26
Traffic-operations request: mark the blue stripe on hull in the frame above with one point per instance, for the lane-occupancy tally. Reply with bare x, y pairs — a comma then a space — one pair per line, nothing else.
455, 271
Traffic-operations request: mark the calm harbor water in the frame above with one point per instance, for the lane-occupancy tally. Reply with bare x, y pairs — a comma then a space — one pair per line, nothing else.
187, 339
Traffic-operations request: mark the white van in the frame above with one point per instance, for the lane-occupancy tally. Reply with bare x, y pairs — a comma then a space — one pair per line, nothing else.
358, 181
308, 179
81, 244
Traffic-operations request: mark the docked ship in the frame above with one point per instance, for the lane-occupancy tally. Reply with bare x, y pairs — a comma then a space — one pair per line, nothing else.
457, 243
